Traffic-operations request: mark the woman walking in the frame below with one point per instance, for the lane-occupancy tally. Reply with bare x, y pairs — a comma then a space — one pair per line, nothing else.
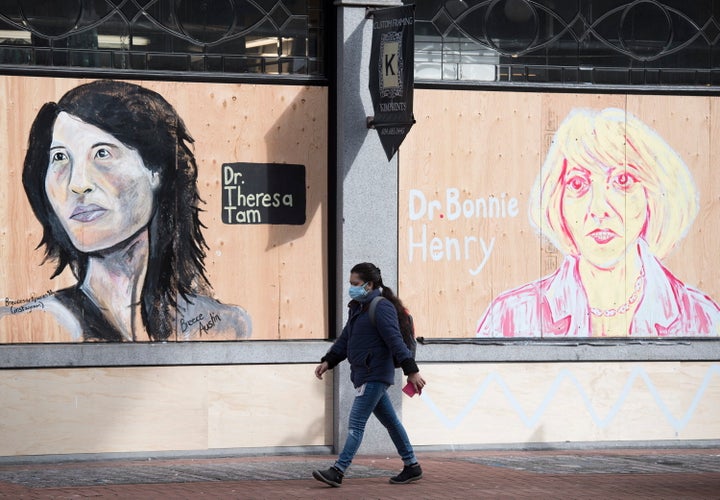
372, 351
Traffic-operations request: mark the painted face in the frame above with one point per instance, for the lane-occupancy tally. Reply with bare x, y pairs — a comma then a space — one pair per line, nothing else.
604, 210
98, 187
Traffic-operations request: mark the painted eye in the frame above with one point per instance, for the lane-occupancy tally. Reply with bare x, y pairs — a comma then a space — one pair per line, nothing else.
578, 184
103, 154
58, 157
624, 181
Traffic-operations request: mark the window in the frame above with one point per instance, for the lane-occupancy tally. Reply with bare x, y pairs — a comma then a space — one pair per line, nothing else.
611, 42
228, 37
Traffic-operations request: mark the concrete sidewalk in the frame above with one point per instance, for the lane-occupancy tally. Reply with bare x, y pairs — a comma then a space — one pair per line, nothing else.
561, 474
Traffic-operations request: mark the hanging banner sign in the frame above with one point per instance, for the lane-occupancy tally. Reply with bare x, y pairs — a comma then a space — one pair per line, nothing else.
391, 74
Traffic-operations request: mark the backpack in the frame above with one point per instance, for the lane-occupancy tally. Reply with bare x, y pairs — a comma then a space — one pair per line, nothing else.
408, 334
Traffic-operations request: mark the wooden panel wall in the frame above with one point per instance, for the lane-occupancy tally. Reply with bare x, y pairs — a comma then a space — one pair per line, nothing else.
202, 408
465, 404
276, 272
150, 409
470, 145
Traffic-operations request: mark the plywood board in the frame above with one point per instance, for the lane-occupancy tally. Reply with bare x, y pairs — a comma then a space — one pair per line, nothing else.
564, 402
459, 259
276, 273
200, 408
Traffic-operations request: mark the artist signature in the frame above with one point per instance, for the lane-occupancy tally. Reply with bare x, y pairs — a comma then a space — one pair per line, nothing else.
204, 324
13, 302
29, 306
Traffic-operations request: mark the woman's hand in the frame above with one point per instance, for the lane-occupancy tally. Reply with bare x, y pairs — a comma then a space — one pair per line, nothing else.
417, 380
320, 369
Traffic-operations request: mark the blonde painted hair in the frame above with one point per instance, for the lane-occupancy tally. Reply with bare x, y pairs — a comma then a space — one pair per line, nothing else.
600, 139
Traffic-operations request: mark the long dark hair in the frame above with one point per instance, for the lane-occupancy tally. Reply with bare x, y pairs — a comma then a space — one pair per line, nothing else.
370, 272
142, 120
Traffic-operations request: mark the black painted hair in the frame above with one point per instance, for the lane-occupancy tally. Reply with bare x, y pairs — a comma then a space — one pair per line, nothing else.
142, 120
369, 272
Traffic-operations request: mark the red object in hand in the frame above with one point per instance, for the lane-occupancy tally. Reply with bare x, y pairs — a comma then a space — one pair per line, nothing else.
409, 389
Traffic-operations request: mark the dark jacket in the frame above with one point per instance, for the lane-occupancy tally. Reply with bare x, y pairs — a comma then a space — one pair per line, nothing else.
368, 349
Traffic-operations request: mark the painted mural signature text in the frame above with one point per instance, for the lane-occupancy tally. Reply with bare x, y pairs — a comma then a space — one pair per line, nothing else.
206, 327
200, 321
26, 305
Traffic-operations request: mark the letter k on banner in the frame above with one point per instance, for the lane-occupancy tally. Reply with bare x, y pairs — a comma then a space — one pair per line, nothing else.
391, 74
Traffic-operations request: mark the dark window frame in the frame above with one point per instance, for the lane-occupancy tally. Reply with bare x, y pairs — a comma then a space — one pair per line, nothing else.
610, 44
262, 41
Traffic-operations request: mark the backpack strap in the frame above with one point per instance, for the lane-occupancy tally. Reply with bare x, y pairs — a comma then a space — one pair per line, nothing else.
371, 309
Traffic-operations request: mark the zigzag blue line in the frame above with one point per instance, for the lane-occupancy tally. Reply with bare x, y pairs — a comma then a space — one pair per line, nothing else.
530, 421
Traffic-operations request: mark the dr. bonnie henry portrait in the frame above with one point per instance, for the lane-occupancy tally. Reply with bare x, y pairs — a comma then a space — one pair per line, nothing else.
615, 199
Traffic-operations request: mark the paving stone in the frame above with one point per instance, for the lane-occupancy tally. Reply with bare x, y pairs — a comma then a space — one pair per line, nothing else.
610, 464
142, 473
534, 475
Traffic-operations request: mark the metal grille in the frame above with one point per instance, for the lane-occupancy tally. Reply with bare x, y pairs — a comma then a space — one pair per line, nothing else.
222, 37
613, 42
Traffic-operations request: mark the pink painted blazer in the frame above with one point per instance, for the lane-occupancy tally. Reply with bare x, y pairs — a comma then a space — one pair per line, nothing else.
557, 306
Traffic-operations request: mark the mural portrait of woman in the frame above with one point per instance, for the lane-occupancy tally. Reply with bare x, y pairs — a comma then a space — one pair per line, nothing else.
111, 176
615, 199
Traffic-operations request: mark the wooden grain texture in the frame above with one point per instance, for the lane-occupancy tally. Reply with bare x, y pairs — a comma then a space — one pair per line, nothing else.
466, 146
148, 409
276, 272
276, 405
497, 403
689, 125
492, 144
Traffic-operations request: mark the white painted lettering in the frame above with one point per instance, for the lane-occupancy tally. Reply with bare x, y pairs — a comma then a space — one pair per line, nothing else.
416, 196
436, 249
487, 250
422, 244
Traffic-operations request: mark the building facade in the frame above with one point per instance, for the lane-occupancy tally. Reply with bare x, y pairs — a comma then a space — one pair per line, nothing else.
549, 221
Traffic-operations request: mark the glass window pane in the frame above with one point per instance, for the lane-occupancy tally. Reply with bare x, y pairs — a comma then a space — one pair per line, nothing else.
218, 36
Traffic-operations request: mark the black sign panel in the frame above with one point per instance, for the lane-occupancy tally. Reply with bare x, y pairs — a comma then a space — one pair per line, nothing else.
263, 193
391, 74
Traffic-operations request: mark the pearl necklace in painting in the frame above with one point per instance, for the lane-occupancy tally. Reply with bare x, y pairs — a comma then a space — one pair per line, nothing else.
609, 313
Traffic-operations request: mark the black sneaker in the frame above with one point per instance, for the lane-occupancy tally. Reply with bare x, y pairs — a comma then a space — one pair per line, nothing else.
331, 476
409, 474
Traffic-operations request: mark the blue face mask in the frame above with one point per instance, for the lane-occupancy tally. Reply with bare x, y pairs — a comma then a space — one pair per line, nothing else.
358, 292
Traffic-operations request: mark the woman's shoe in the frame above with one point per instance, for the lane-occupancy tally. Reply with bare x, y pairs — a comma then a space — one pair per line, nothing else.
331, 476
409, 474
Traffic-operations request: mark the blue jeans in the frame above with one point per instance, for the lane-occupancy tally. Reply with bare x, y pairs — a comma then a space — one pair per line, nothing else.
374, 400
